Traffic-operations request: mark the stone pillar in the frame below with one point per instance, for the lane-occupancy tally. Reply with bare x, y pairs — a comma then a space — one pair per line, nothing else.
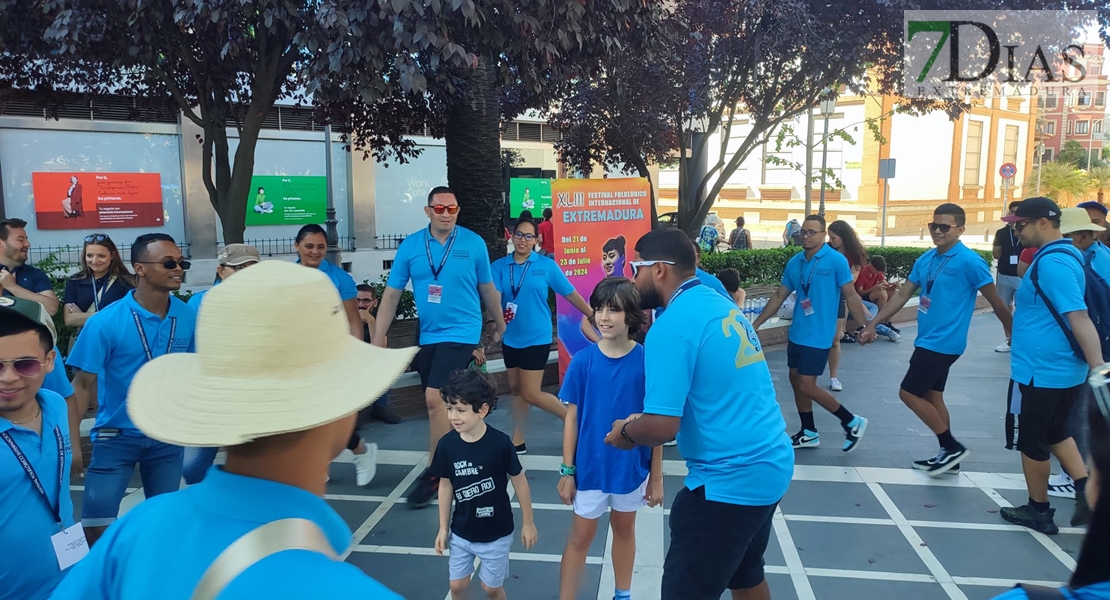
200, 218
363, 197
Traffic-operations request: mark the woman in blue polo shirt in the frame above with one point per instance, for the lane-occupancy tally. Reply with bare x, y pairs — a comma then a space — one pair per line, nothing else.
312, 247
524, 279
102, 280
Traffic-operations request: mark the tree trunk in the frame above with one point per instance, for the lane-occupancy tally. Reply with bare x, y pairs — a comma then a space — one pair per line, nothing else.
642, 169
473, 136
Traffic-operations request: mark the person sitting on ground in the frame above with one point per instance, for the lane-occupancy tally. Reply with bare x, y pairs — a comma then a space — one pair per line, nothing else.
871, 283
730, 278
283, 417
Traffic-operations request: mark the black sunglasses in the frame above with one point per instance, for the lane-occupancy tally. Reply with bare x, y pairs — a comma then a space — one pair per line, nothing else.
1020, 225
810, 232
96, 238
170, 264
941, 227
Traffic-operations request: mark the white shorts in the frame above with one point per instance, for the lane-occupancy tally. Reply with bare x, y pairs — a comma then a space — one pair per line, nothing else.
494, 555
591, 504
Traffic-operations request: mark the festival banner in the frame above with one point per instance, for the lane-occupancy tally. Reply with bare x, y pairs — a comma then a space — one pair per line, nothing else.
97, 200
532, 195
597, 223
287, 200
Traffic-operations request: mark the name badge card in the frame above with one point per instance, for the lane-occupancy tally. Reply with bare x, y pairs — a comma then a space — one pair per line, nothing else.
807, 307
70, 546
435, 294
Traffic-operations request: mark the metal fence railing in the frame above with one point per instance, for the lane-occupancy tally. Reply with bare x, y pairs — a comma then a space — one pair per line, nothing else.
274, 246
389, 242
71, 255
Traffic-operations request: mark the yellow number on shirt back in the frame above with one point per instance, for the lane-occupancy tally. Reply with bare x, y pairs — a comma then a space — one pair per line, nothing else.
750, 350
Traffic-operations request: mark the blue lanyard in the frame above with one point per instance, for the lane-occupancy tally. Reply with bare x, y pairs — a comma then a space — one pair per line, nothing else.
142, 335
802, 275
515, 289
446, 252
55, 508
690, 283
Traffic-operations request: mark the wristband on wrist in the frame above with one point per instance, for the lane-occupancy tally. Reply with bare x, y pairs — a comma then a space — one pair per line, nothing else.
624, 434
567, 471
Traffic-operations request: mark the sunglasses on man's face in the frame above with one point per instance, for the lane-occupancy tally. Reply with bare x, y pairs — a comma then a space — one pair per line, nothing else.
1020, 225
95, 238
169, 264
646, 263
520, 235
941, 227
811, 232
24, 367
439, 209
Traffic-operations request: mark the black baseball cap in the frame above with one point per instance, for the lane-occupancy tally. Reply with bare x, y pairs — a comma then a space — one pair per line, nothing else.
1034, 208
1092, 204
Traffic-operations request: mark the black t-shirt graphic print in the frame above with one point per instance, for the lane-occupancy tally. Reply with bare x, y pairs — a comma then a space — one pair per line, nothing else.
479, 473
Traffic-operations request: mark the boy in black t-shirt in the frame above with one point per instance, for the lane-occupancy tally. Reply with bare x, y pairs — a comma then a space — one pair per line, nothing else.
474, 462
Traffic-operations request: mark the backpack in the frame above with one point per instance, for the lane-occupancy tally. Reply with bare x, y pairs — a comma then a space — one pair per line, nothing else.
793, 233
707, 239
1097, 298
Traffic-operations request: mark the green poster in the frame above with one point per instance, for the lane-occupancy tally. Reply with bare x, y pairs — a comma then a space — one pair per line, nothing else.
287, 200
532, 195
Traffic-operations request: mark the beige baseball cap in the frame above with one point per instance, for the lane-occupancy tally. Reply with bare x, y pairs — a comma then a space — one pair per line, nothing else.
234, 255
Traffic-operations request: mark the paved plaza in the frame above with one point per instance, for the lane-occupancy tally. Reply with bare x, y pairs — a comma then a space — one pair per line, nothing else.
862, 525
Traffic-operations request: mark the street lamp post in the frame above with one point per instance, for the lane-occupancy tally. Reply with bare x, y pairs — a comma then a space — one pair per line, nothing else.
333, 255
827, 108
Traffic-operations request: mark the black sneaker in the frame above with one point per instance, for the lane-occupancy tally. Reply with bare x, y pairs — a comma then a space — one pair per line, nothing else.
384, 414
944, 461
424, 491
521, 448
853, 433
892, 327
1027, 516
806, 438
1082, 515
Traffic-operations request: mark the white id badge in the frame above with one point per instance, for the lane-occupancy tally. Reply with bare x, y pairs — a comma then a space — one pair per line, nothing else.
923, 305
435, 294
70, 546
807, 307
1013, 260
511, 307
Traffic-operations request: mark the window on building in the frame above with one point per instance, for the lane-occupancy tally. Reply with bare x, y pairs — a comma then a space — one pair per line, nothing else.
1049, 128
1067, 128
973, 152
1082, 127
1097, 127
1051, 101
1047, 156
1010, 145
1084, 98
1100, 99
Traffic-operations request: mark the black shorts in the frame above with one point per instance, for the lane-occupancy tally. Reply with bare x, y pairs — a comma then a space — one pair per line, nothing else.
532, 358
436, 362
714, 546
928, 372
1037, 418
809, 361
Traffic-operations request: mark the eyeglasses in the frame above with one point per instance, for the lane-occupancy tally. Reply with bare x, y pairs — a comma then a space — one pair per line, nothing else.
524, 236
941, 227
365, 300
811, 232
647, 263
24, 367
170, 264
96, 238
439, 209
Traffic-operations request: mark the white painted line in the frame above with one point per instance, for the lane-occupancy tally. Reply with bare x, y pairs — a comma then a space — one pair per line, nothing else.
1041, 538
355, 498
923, 552
873, 575
910, 477
1004, 583
997, 481
824, 473
429, 551
383, 508
987, 526
794, 565
844, 520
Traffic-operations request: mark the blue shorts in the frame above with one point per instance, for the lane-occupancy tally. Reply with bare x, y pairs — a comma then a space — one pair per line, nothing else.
114, 456
807, 360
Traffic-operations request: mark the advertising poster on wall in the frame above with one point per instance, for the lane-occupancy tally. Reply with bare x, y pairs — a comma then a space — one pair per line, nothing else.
597, 223
287, 200
532, 195
97, 200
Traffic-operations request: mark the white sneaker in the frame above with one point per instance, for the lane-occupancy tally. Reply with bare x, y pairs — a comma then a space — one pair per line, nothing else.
671, 444
835, 385
1061, 486
1003, 348
366, 465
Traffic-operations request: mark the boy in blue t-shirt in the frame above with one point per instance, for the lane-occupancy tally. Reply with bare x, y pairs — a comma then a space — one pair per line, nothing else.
604, 383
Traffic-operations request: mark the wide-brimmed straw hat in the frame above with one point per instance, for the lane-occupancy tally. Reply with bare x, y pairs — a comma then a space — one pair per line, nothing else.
274, 355
1077, 219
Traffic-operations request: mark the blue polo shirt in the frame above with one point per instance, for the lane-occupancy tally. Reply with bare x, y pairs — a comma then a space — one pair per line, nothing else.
196, 299
527, 286
819, 279
341, 279
56, 380
704, 363
1041, 355
149, 554
458, 318
713, 283
951, 281
1099, 257
109, 347
31, 279
29, 570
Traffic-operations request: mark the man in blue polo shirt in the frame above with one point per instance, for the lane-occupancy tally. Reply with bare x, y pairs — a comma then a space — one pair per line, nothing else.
1046, 369
449, 268
708, 382
821, 276
35, 505
950, 278
17, 278
148, 322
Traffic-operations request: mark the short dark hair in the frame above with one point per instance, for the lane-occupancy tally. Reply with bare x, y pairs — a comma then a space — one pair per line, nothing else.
470, 387
524, 219
668, 244
547, 214
7, 225
955, 210
308, 230
1013, 205
879, 263
817, 218
739, 221
139, 246
730, 278
618, 293
439, 189
525, 215
365, 287
17, 326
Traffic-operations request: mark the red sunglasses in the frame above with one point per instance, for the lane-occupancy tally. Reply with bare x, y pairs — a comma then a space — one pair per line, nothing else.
439, 209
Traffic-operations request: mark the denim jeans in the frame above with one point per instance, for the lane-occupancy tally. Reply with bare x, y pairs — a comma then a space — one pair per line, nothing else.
114, 456
196, 462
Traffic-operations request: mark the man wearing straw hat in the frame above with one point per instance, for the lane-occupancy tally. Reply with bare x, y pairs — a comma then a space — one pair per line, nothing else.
257, 527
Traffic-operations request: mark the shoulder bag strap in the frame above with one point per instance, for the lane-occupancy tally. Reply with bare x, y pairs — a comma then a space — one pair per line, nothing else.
1052, 309
256, 545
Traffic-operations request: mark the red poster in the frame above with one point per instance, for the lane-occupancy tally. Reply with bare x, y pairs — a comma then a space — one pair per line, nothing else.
97, 200
596, 223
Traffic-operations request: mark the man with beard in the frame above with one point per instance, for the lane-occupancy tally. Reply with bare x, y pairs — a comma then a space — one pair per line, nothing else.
17, 278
